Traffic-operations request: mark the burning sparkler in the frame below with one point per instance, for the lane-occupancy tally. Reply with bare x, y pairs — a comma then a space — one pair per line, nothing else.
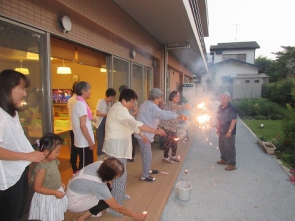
174, 138
204, 118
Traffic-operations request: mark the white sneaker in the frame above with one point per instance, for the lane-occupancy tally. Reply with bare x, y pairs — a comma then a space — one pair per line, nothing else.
98, 215
126, 197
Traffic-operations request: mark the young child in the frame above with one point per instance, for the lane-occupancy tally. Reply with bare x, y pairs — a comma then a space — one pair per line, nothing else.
49, 201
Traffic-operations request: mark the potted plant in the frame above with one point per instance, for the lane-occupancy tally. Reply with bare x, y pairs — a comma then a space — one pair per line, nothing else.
269, 148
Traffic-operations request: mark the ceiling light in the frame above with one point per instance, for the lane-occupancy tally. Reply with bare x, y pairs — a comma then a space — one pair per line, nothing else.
32, 56
103, 68
64, 70
21, 69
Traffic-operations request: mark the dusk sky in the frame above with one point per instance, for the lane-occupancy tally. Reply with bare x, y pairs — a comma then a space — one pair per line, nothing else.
269, 23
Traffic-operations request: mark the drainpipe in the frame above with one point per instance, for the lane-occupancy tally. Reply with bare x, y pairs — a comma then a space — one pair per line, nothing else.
166, 62
165, 71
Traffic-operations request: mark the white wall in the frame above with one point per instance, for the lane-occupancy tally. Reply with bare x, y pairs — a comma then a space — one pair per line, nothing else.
232, 68
250, 55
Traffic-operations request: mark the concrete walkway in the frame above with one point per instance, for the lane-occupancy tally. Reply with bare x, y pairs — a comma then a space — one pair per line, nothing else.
257, 191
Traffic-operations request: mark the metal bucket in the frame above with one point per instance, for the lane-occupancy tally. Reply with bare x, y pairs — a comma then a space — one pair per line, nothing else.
184, 190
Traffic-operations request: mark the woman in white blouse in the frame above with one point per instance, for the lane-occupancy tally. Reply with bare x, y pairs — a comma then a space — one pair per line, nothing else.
119, 127
16, 152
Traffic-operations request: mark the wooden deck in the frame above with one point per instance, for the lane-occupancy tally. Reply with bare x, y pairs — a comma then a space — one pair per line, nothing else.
145, 196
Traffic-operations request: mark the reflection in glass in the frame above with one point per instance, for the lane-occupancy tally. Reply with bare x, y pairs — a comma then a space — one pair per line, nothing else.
15, 43
120, 75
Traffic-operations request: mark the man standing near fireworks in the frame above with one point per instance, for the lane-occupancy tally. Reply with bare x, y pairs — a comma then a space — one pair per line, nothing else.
226, 131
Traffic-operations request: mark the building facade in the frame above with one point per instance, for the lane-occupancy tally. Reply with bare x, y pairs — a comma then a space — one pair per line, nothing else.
233, 69
108, 43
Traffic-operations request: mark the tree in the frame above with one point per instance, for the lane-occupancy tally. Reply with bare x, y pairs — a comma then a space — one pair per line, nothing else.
264, 63
284, 64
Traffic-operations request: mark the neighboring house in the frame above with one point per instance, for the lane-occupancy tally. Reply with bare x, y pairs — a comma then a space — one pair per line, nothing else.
233, 69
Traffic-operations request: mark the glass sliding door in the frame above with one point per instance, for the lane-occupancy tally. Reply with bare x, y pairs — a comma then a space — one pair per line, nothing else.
141, 81
138, 82
21, 50
119, 74
148, 78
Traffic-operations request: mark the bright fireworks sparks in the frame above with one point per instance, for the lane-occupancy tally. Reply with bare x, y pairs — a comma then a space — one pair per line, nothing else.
203, 118
174, 138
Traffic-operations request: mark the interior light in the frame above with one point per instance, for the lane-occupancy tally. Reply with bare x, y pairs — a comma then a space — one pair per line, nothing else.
64, 70
21, 69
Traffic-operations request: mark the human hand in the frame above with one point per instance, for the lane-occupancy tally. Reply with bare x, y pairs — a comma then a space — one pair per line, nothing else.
228, 134
35, 156
91, 146
58, 194
183, 117
144, 139
187, 106
140, 216
161, 132
94, 120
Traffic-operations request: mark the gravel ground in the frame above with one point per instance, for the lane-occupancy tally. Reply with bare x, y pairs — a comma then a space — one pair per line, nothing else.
257, 191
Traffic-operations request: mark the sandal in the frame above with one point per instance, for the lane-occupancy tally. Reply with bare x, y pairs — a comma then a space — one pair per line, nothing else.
168, 160
148, 179
175, 158
154, 171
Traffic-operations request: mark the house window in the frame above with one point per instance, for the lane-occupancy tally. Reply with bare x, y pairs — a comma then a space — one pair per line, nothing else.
241, 57
247, 81
256, 81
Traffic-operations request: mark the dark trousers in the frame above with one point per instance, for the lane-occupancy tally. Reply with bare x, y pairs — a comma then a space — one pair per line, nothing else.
74, 153
134, 143
13, 199
85, 156
100, 133
227, 149
100, 206
170, 143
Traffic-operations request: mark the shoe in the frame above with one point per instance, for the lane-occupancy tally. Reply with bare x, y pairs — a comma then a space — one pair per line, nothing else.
175, 158
148, 179
97, 215
101, 157
168, 160
131, 160
230, 168
114, 213
154, 171
222, 162
74, 173
126, 197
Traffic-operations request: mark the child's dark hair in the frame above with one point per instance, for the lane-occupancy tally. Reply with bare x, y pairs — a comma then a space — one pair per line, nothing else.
49, 142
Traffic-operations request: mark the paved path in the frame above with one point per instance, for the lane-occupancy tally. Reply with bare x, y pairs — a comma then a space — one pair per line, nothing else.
257, 191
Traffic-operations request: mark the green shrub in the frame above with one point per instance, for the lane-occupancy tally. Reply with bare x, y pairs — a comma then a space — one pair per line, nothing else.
289, 131
259, 108
281, 92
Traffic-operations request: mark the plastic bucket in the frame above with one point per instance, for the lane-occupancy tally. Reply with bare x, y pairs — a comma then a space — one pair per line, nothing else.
184, 190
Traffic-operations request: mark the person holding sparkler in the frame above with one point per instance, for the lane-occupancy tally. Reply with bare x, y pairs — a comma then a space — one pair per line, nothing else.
120, 124
170, 127
149, 113
226, 131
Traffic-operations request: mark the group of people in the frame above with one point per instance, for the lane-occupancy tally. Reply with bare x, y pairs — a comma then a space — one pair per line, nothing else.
95, 186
